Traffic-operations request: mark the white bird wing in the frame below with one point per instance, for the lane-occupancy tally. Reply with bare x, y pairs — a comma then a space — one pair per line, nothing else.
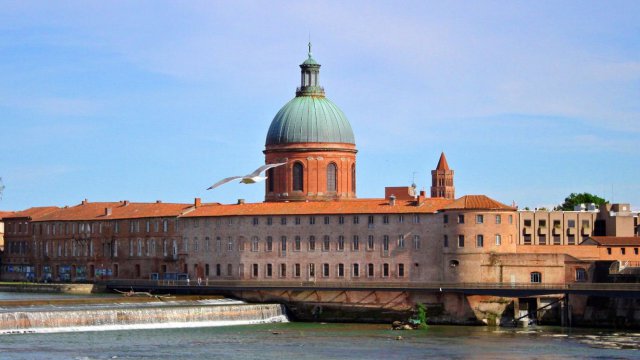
223, 181
262, 168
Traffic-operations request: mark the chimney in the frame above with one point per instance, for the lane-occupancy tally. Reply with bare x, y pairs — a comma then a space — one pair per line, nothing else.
421, 197
85, 201
197, 202
240, 201
125, 203
158, 201
108, 211
392, 200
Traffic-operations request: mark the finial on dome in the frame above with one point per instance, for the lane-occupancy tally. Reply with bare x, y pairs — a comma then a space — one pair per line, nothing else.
310, 48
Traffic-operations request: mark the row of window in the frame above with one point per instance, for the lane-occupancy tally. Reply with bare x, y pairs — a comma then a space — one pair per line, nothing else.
68, 228
298, 178
325, 271
557, 223
480, 218
325, 244
479, 240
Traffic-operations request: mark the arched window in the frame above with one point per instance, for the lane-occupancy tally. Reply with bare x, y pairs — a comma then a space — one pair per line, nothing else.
270, 180
332, 177
536, 277
298, 177
353, 178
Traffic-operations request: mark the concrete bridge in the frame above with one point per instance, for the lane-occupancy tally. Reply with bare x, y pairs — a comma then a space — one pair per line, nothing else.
625, 290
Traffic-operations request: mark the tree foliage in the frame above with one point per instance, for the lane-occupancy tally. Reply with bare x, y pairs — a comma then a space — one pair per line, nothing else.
576, 199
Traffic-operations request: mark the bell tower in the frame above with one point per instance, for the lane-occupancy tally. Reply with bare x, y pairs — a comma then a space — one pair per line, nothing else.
442, 180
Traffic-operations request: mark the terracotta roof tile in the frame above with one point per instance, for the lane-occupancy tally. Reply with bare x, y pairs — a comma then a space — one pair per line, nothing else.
119, 210
32, 213
477, 202
359, 206
442, 163
616, 240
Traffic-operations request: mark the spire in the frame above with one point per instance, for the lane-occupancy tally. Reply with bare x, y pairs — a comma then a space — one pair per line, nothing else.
310, 49
442, 163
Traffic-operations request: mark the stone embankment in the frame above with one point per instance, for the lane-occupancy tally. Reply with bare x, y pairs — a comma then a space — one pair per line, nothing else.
52, 288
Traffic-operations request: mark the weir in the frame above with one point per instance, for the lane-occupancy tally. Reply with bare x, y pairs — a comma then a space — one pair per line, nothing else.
149, 315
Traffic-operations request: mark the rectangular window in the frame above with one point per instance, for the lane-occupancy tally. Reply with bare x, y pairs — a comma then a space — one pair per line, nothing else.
385, 270
340, 270
542, 223
356, 270
460, 240
341, 220
571, 223
400, 219
229, 270
283, 270
269, 220
416, 219
219, 270
296, 244
297, 220
256, 221
325, 270
623, 251
269, 272
370, 242
340, 243
229, 243
542, 239
401, 241
283, 221
326, 243
326, 220
445, 242
385, 219
312, 270
296, 270
400, 270
255, 244
527, 239
498, 239
416, 242
370, 270
283, 243
479, 241
356, 219
479, 219
527, 222
254, 272
385, 243
510, 219
312, 220
498, 219
312, 243
445, 218
355, 243
370, 219
269, 243
460, 219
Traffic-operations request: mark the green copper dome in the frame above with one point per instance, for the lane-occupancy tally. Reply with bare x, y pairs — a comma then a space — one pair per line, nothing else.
310, 119
310, 116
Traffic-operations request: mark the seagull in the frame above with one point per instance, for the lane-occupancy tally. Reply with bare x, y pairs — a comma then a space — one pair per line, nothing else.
252, 178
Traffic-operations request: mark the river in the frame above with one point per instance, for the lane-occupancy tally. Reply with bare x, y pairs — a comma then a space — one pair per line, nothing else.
324, 341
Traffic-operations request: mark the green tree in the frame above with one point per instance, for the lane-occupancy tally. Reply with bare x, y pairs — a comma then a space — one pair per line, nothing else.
576, 199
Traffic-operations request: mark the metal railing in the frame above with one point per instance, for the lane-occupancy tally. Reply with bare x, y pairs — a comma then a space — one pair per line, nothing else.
370, 285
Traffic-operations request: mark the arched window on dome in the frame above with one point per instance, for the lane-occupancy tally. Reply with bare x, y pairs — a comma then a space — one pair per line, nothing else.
353, 178
332, 177
270, 181
298, 177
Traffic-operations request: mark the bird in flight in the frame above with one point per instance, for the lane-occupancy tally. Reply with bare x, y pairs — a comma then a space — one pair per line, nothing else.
252, 178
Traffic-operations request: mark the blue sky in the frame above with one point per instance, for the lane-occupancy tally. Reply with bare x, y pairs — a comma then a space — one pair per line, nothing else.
152, 100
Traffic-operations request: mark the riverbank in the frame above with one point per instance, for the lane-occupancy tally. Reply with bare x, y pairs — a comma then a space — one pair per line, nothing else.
27, 287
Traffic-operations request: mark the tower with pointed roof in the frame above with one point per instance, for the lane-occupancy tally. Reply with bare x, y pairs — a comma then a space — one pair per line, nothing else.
313, 136
442, 180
